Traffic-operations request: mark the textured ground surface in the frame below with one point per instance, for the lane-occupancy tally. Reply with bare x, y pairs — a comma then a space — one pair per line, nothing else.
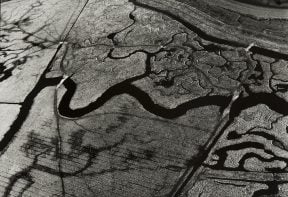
144, 98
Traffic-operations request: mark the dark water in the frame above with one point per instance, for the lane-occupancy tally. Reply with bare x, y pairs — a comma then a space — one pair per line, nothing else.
267, 3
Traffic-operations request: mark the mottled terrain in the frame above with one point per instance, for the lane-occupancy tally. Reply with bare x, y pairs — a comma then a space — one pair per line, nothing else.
144, 98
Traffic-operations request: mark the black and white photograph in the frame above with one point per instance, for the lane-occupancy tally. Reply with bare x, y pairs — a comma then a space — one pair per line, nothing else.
144, 98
